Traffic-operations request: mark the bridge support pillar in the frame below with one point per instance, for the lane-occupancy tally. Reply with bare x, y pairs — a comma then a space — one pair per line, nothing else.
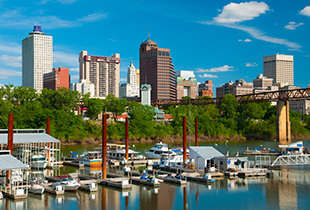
283, 124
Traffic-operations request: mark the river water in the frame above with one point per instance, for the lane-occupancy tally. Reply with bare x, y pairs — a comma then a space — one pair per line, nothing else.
288, 189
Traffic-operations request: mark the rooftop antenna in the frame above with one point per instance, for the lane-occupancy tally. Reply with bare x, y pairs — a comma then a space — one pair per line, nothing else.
148, 34
145, 79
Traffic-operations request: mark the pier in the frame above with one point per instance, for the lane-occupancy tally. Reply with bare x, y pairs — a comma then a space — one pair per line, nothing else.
121, 183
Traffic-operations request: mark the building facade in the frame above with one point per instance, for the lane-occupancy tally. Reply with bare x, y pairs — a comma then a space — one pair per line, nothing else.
205, 89
103, 72
156, 69
280, 68
84, 87
146, 94
302, 106
239, 87
37, 58
59, 77
131, 88
186, 84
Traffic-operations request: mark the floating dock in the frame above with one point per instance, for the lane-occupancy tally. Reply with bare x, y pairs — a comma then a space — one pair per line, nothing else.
199, 179
173, 180
11, 194
51, 190
91, 187
139, 181
120, 183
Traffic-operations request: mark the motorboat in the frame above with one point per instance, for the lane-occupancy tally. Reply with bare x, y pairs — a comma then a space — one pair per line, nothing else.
91, 158
38, 162
67, 182
118, 151
173, 159
36, 189
158, 150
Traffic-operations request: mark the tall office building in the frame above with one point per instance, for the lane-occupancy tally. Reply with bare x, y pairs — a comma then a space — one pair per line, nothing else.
156, 69
131, 88
280, 68
37, 58
102, 71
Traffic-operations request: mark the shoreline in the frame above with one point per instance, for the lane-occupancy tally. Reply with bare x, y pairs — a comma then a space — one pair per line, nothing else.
173, 139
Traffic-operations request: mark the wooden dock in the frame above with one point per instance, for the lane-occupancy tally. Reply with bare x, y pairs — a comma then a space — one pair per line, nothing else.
231, 174
88, 187
51, 179
199, 179
251, 174
141, 162
139, 181
49, 189
173, 180
11, 194
120, 183
72, 164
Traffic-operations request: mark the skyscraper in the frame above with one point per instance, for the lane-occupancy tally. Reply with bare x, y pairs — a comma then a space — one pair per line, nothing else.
156, 69
37, 58
102, 71
280, 68
131, 88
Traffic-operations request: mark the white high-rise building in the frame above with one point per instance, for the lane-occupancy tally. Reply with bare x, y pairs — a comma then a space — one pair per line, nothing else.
280, 68
103, 72
146, 94
131, 88
37, 58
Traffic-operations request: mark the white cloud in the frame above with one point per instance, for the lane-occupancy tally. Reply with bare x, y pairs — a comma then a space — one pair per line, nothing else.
208, 76
251, 64
216, 69
65, 58
305, 11
292, 25
5, 73
246, 40
234, 13
11, 60
61, 1
17, 19
92, 17
75, 69
74, 77
10, 47
123, 80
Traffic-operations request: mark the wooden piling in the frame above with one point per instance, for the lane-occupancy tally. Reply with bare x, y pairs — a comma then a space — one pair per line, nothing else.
10, 142
104, 146
126, 138
196, 132
184, 140
48, 144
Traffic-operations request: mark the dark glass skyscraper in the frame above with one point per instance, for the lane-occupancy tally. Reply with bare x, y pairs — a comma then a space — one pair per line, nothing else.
156, 68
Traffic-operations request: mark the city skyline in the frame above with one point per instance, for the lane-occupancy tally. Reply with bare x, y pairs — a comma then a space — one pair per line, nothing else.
213, 39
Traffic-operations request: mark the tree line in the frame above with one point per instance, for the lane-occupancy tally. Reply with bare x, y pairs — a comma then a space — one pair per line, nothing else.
228, 119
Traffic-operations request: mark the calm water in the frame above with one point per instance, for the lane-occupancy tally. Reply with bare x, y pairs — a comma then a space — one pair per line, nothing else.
289, 189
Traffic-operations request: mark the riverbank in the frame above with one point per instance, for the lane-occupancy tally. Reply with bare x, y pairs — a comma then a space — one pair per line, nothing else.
174, 139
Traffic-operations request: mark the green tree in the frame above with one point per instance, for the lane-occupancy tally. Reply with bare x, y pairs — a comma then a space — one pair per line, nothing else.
94, 107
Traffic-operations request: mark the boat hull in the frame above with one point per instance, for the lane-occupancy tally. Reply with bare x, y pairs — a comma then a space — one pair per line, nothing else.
39, 165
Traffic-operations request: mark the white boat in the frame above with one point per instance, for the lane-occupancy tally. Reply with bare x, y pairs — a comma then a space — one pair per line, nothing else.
38, 162
173, 159
91, 158
36, 189
118, 151
67, 183
158, 150
1, 195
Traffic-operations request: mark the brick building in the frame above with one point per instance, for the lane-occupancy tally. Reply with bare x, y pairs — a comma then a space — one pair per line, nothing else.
186, 84
59, 77
205, 89
239, 87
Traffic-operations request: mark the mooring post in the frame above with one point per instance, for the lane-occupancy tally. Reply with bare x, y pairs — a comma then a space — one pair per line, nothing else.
126, 137
48, 144
104, 146
184, 140
10, 142
196, 131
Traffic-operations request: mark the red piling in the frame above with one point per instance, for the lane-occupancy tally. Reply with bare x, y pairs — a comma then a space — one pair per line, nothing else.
184, 140
196, 132
48, 126
184, 198
126, 137
104, 146
10, 133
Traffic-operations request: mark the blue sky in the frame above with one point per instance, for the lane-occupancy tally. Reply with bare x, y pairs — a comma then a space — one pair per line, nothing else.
219, 40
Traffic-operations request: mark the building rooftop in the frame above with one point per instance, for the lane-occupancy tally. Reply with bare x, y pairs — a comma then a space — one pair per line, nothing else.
206, 152
8, 162
22, 138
